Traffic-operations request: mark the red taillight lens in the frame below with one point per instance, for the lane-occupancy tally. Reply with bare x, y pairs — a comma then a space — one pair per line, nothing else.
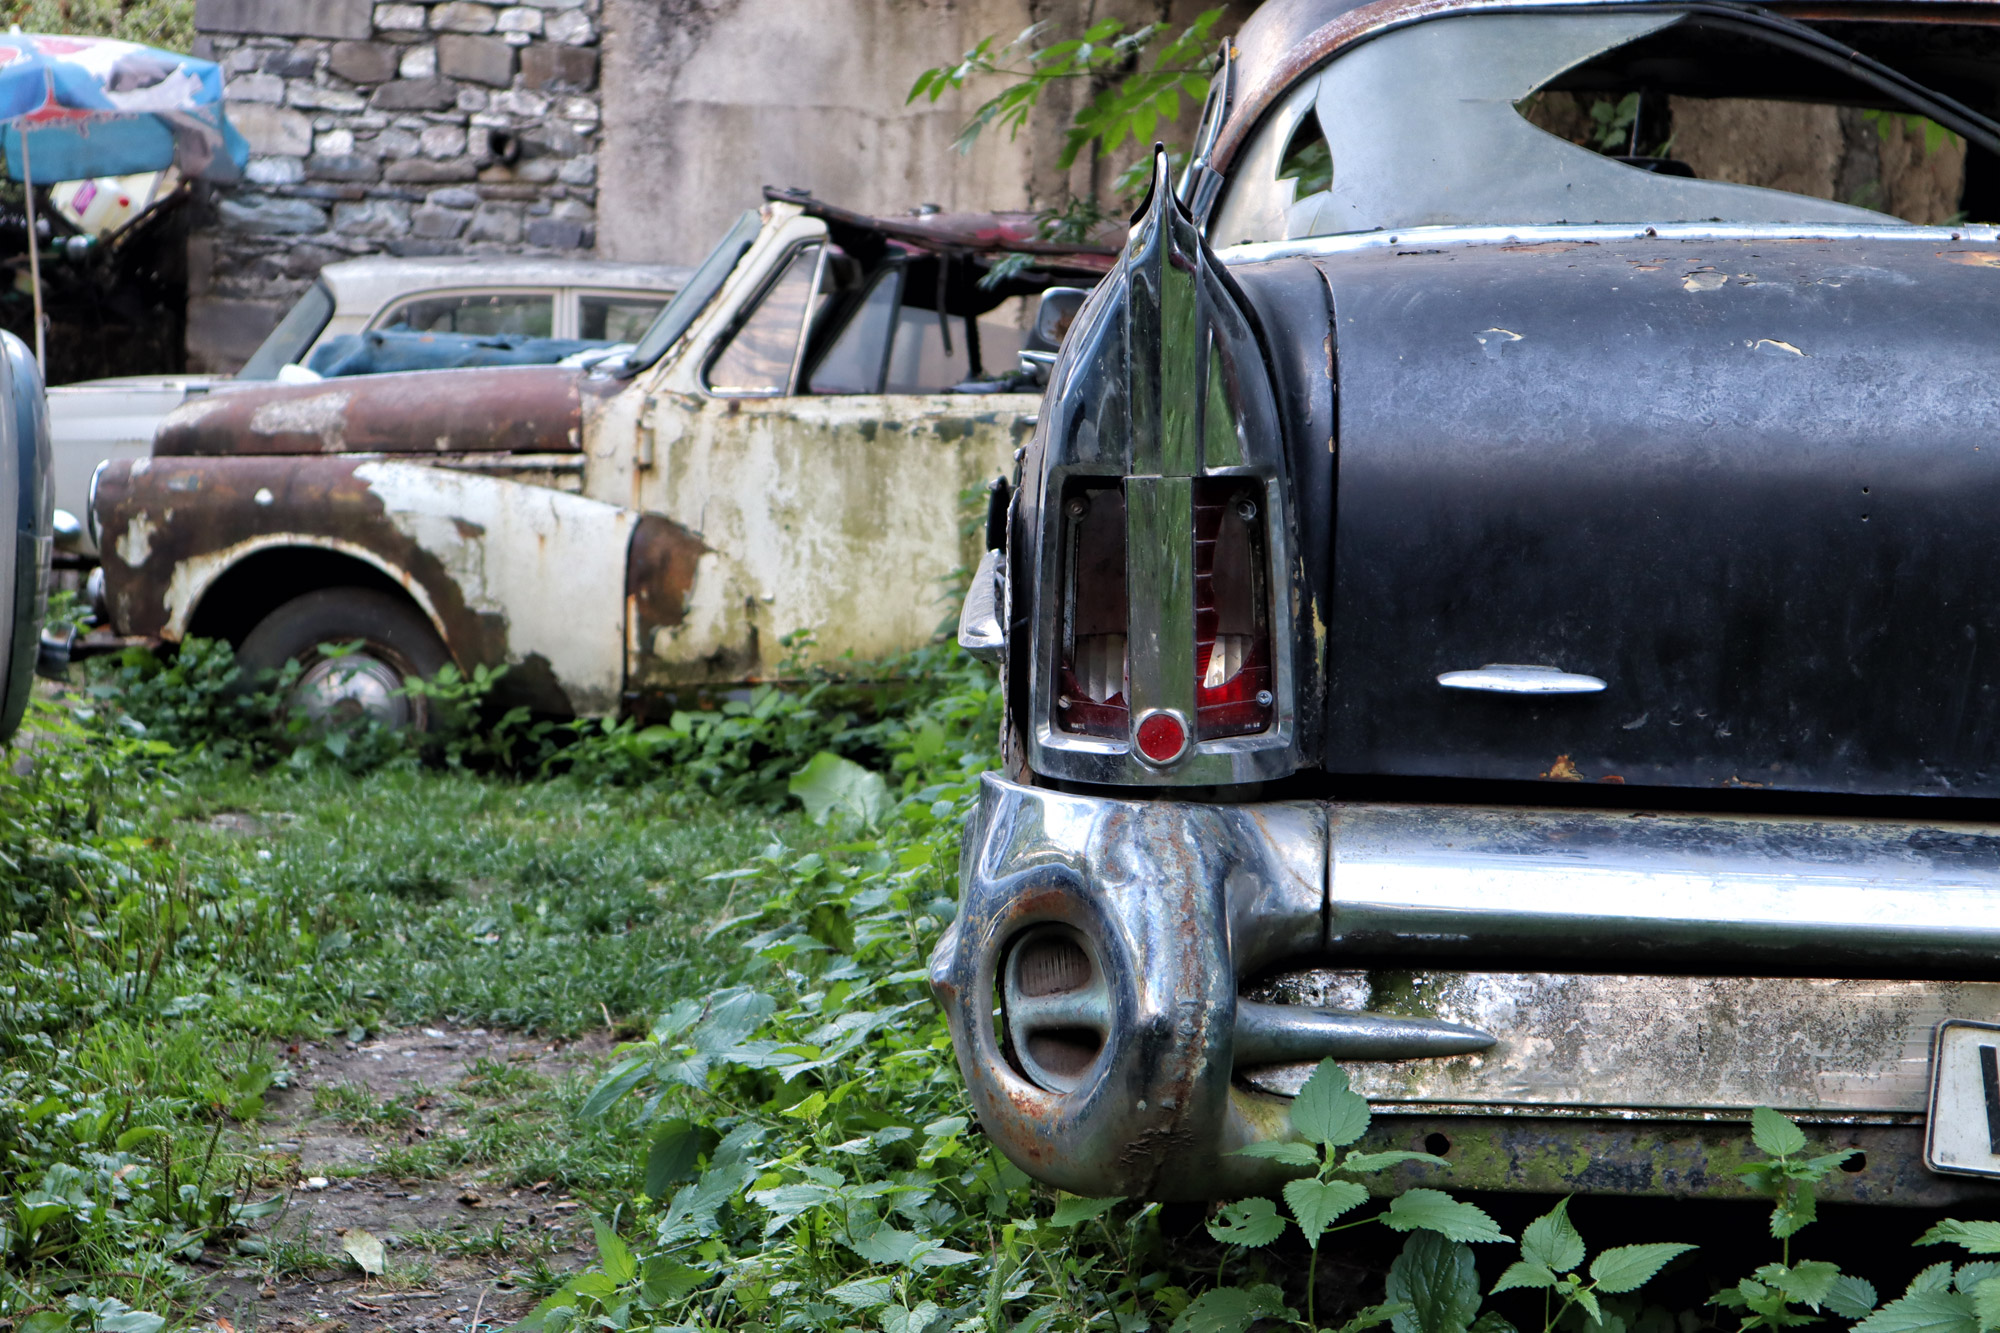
1232, 616
1090, 678
1162, 737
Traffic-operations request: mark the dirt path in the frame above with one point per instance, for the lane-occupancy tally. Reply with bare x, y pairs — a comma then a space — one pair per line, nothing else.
462, 1251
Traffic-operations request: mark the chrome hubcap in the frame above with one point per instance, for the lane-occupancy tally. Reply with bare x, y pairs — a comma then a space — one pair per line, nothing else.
339, 691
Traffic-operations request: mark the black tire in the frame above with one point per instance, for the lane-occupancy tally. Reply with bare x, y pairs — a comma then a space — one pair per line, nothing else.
396, 642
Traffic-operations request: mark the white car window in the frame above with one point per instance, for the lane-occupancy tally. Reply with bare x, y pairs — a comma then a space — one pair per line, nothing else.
482, 313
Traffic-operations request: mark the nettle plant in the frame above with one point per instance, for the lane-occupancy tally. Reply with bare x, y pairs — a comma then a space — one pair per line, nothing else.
1433, 1286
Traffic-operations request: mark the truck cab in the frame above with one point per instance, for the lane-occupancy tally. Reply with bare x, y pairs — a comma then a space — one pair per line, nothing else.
784, 449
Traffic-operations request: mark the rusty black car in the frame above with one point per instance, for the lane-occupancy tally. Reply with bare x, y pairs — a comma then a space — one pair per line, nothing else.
1501, 595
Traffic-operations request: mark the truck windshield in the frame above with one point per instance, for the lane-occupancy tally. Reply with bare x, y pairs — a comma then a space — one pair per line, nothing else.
295, 333
691, 300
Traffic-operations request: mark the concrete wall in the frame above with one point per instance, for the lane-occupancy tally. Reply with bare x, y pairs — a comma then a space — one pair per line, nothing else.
707, 101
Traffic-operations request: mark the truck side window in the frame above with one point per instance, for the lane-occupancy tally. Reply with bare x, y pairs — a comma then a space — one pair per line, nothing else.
859, 357
759, 359
480, 313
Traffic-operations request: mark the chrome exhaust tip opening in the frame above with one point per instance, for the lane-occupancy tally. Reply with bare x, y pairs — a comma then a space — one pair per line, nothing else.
1056, 1007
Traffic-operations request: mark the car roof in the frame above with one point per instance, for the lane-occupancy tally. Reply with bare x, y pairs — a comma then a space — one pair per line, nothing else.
1285, 39
367, 284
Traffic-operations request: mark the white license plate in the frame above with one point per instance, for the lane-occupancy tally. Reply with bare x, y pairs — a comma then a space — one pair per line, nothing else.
1964, 1137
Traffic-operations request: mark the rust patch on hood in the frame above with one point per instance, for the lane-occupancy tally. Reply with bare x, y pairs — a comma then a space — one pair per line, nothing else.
489, 409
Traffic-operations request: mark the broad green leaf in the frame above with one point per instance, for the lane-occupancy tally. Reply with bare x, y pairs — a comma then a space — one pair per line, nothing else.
1317, 1204
131, 1321
1524, 1274
620, 1079
923, 1319
670, 1160
1969, 1276
365, 1249
1935, 1278
830, 785
1587, 1298
892, 1245
864, 1293
614, 1254
1229, 1309
1074, 1208
1291, 1154
1435, 1278
1367, 1163
1925, 1312
1434, 1210
1327, 1111
1794, 1213
1551, 1241
1976, 1237
666, 1279
1630, 1267
1374, 1316
1251, 1222
1775, 1134
1850, 1297
1986, 1304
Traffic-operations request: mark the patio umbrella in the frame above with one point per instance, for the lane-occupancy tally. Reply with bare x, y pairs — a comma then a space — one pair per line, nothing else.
75, 108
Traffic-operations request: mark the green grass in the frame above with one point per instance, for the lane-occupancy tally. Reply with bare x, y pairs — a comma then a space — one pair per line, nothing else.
151, 957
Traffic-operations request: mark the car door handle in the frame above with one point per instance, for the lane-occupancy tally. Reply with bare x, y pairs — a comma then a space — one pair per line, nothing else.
1506, 678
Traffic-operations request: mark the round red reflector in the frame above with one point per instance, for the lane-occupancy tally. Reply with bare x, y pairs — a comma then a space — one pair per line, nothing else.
1162, 737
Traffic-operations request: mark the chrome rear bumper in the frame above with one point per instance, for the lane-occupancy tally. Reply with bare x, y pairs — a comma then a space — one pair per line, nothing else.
1219, 950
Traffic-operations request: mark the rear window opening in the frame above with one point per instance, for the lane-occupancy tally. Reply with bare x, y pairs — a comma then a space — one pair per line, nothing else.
1704, 104
1647, 117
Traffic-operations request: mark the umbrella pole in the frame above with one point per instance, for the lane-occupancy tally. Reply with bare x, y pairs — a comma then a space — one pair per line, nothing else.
34, 252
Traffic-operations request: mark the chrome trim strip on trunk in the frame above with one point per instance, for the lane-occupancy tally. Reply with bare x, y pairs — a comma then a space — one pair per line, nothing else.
1598, 233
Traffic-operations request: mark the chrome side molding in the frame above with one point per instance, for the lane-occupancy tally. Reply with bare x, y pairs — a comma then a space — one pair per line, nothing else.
1511, 678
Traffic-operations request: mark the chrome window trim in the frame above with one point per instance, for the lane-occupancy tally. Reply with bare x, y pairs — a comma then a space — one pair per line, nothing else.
1352, 242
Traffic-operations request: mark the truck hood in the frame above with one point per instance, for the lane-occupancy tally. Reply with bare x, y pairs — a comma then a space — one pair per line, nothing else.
511, 409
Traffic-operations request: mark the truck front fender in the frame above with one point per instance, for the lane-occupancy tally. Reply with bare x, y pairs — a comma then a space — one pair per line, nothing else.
511, 575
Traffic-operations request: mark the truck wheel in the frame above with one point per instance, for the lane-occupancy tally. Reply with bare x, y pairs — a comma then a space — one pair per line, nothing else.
397, 643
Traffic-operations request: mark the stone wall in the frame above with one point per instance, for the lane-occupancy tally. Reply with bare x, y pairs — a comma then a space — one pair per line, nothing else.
403, 128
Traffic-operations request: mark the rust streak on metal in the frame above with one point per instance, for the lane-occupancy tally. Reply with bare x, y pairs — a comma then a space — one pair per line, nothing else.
658, 575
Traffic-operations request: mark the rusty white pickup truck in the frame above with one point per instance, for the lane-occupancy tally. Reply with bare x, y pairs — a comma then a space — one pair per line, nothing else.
784, 450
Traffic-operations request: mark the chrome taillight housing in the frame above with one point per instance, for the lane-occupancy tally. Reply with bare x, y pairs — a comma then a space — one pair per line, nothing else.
1157, 566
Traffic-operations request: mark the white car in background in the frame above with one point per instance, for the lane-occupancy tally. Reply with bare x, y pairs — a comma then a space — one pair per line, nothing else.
541, 298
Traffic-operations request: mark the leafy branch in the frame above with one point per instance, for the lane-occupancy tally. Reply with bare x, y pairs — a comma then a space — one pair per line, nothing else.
1131, 109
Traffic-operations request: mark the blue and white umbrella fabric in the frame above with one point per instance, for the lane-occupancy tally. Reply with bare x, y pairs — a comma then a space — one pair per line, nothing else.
94, 106
77, 108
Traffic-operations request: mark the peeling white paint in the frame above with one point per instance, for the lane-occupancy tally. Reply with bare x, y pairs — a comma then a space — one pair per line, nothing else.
837, 514
136, 542
323, 414
549, 564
